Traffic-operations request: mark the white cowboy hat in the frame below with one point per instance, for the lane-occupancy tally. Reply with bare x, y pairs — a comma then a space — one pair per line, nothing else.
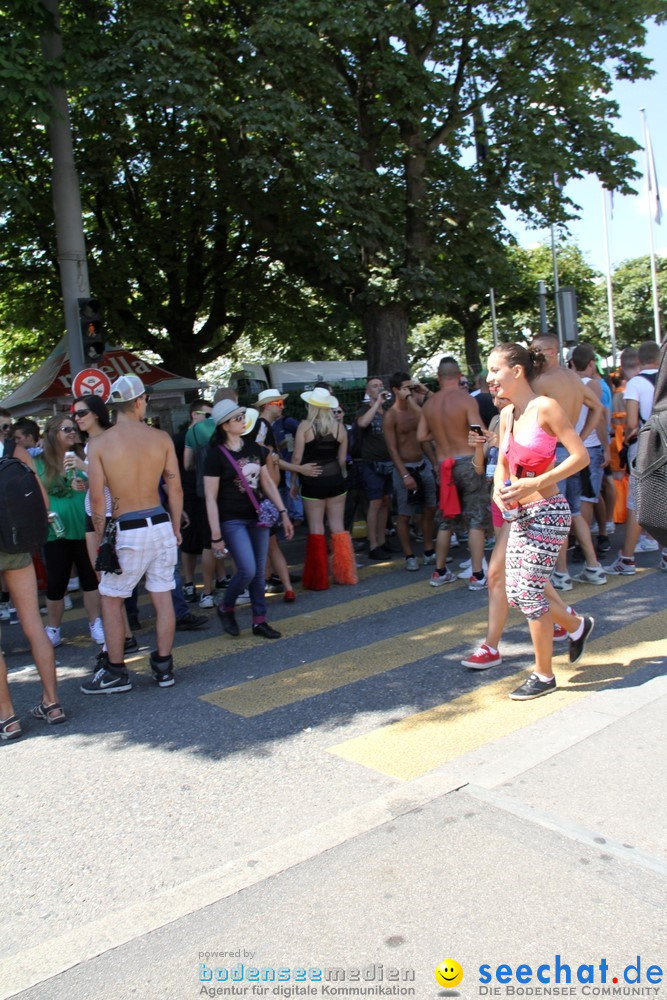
319, 396
270, 396
251, 416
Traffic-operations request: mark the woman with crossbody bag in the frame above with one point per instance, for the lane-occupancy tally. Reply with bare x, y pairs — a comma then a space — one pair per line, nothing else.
236, 481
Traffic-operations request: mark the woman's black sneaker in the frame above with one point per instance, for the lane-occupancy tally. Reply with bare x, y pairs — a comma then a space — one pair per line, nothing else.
577, 645
131, 644
533, 688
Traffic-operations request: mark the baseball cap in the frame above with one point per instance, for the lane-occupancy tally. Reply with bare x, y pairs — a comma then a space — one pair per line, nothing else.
126, 388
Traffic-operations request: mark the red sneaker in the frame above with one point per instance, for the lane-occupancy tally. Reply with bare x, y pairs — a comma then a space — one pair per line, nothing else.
289, 596
482, 659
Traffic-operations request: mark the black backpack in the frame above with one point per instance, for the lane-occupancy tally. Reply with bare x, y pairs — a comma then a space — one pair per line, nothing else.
24, 524
651, 463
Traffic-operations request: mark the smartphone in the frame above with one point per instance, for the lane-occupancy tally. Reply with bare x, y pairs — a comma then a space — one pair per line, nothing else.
476, 428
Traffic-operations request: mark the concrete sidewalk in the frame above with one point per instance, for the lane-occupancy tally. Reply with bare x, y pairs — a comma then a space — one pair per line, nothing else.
548, 841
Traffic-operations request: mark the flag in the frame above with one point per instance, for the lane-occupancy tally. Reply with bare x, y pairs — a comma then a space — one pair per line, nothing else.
479, 127
652, 177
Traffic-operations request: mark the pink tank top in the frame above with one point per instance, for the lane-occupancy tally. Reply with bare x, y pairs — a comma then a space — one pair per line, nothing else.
531, 452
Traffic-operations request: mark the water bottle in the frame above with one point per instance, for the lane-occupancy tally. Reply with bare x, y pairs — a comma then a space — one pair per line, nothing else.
56, 523
491, 463
513, 513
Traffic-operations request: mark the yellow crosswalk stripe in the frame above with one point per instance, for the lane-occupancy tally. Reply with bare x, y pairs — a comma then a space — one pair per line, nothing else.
308, 680
425, 740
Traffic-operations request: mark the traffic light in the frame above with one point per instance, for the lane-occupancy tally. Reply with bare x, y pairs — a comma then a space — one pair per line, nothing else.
92, 332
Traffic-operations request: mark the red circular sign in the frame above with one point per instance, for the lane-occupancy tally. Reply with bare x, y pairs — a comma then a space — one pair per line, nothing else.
92, 382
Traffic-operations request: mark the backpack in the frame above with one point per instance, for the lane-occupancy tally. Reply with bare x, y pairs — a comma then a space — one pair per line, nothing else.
651, 463
24, 524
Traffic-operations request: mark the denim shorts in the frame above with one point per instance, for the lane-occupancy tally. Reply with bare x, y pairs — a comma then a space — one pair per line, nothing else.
377, 483
570, 487
596, 471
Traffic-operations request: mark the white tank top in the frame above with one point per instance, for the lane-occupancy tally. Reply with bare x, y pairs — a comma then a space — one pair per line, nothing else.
592, 441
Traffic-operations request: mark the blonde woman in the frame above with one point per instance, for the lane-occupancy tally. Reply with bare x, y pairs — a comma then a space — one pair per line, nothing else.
320, 439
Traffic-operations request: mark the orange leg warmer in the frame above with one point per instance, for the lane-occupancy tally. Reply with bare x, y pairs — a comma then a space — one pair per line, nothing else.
344, 564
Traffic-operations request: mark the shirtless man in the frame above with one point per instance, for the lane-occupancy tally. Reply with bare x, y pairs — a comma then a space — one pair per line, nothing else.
446, 419
408, 455
566, 386
131, 458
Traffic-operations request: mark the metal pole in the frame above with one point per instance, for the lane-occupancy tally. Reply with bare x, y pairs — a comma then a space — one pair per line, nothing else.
654, 277
542, 300
610, 295
494, 325
559, 322
66, 201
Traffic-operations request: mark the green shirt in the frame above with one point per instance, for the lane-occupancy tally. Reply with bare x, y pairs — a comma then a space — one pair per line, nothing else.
66, 502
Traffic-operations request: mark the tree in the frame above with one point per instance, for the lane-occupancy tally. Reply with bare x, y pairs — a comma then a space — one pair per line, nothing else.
240, 158
633, 302
356, 137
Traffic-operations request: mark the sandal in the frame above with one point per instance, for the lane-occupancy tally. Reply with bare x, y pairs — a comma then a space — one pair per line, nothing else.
44, 712
10, 734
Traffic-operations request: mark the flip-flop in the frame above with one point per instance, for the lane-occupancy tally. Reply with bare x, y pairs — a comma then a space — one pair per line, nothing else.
9, 734
43, 711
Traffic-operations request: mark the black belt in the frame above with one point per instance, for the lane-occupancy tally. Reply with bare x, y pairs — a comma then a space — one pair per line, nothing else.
416, 468
142, 522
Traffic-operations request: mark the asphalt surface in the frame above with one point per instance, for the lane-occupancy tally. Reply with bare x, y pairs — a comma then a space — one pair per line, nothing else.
346, 797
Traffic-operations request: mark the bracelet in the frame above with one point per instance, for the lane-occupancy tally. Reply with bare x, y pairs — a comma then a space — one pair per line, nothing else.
214, 541
407, 475
283, 511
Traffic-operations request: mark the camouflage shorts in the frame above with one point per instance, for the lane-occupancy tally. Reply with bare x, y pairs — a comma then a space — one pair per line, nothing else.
473, 491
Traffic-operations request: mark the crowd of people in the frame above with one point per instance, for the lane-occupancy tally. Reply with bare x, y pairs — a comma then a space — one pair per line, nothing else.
525, 465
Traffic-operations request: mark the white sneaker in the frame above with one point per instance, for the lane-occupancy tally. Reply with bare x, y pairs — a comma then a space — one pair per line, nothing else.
67, 601
411, 564
53, 635
646, 544
475, 584
242, 599
466, 570
4, 611
429, 560
97, 631
610, 528
561, 581
621, 566
592, 574
206, 601
74, 583
438, 580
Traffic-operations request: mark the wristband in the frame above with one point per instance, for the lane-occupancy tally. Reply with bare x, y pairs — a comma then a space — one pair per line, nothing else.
214, 541
282, 511
407, 475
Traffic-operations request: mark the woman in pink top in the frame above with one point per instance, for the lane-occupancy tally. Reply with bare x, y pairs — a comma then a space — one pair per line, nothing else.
529, 430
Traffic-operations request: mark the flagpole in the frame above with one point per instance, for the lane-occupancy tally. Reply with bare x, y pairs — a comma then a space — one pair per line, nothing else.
494, 324
610, 295
559, 323
653, 203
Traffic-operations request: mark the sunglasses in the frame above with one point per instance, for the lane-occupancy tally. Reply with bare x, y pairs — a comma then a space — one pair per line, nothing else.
241, 416
80, 414
5, 427
68, 430
202, 413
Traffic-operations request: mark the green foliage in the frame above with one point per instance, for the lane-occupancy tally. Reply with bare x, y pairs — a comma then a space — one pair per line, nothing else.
303, 173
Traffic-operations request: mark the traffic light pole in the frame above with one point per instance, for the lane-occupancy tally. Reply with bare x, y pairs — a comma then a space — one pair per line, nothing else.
66, 201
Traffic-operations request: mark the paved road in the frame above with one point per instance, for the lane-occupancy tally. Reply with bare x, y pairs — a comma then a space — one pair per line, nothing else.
344, 797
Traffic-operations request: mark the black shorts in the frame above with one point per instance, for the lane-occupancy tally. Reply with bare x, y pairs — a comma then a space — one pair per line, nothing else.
197, 536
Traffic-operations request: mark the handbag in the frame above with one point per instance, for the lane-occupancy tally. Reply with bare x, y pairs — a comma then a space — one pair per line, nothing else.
267, 513
107, 557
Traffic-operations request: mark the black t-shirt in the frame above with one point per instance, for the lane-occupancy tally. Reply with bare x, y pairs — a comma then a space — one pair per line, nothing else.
233, 501
373, 445
188, 476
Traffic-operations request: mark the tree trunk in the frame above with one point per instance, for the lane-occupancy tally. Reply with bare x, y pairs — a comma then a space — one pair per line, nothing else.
386, 332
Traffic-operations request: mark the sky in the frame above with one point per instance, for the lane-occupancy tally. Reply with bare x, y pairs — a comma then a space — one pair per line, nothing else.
629, 228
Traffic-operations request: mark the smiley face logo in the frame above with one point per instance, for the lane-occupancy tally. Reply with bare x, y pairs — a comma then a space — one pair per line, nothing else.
449, 973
